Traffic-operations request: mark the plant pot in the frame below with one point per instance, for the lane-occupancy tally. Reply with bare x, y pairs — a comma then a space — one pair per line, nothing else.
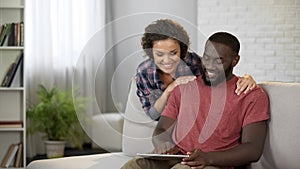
55, 149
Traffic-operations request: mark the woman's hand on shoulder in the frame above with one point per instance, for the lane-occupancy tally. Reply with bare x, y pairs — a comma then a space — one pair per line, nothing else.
180, 80
245, 84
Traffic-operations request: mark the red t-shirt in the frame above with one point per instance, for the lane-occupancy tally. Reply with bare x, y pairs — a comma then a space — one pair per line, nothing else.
212, 118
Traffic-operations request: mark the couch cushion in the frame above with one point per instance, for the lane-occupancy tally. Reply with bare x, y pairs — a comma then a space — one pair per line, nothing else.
107, 160
282, 148
138, 127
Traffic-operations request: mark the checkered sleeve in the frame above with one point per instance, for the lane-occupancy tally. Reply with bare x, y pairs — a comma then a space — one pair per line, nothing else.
147, 94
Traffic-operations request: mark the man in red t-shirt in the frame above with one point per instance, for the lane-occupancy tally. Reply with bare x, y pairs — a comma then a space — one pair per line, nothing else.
207, 121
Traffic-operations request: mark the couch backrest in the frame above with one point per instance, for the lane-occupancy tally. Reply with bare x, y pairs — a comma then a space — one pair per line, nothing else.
282, 148
138, 127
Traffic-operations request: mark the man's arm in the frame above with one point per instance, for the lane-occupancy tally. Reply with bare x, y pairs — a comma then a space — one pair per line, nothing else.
250, 150
162, 136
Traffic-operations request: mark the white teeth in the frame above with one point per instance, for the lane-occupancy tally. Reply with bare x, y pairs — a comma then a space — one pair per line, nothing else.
210, 74
167, 65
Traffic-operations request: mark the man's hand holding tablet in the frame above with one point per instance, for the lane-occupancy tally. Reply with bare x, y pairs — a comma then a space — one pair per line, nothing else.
161, 156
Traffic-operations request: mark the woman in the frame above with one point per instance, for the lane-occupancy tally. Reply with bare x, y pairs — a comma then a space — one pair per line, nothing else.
166, 43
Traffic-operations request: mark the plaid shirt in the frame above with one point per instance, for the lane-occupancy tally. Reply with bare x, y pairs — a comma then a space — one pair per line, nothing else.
150, 87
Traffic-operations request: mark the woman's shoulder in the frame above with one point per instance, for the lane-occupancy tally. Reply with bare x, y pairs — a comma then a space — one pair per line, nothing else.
192, 57
145, 65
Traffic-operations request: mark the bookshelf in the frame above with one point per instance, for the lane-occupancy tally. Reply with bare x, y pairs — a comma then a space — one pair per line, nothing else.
12, 97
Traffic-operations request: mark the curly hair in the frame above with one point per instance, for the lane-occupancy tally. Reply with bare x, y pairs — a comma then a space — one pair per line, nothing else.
163, 29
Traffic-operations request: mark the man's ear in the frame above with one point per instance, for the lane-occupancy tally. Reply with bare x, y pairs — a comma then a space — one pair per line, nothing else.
236, 60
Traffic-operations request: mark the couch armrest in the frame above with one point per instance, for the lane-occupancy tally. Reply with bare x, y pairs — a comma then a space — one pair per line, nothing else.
282, 143
107, 131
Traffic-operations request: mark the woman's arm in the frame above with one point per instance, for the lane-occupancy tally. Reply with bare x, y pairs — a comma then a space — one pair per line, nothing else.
162, 100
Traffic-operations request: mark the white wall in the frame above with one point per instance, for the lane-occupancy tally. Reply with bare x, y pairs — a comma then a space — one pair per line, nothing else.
269, 31
126, 21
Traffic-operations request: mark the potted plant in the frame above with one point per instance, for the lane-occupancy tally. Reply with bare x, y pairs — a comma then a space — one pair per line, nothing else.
55, 116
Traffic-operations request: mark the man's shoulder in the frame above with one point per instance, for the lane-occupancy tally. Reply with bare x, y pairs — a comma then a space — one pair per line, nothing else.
190, 87
257, 93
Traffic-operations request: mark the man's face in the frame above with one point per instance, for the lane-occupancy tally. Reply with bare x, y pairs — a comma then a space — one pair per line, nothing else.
218, 61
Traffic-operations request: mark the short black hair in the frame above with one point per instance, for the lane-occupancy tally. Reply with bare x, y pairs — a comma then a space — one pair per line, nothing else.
226, 39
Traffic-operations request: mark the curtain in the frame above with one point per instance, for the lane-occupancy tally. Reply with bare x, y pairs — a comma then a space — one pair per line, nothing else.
56, 31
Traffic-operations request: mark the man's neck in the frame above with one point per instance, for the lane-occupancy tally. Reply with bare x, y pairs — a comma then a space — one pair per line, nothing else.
228, 78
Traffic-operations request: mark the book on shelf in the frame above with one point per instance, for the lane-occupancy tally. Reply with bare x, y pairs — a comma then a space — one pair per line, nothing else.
17, 79
9, 156
18, 34
21, 34
11, 124
12, 70
5, 33
12, 34
19, 156
3, 27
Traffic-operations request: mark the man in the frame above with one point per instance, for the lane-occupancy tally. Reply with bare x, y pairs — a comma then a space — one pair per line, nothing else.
207, 121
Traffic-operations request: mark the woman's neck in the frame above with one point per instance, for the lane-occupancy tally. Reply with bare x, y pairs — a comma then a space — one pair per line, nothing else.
165, 77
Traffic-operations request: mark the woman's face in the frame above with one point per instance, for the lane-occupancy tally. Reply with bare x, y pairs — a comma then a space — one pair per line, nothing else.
166, 54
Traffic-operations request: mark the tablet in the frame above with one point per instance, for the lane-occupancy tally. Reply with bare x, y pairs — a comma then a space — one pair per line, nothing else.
162, 156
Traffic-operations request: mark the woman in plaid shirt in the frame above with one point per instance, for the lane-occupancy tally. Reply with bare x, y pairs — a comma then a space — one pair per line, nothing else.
166, 43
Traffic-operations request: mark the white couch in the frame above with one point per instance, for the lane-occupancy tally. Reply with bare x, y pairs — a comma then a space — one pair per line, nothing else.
282, 150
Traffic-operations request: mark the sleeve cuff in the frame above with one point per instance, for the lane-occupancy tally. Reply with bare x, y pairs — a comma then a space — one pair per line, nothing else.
153, 113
